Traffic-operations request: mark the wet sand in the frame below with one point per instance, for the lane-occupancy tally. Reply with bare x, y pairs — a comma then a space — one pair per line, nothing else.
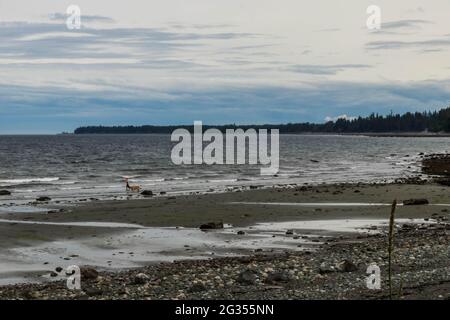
246, 207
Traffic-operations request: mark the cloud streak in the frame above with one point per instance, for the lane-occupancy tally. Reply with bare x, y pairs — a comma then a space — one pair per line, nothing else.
326, 69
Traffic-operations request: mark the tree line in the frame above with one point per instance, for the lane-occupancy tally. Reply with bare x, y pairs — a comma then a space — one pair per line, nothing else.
436, 121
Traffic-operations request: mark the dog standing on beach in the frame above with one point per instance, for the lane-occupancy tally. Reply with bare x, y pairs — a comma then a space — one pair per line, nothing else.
132, 188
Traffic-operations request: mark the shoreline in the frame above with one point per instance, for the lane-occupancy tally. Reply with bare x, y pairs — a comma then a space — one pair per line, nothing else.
184, 214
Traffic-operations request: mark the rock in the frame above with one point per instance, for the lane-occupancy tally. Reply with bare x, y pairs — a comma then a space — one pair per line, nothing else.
247, 277
42, 199
212, 225
88, 273
274, 277
140, 278
325, 268
58, 269
347, 266
5, 193
197, 287
290, 232
162, 193
53, 274
415, 202
241, 233
147, 193
443, 181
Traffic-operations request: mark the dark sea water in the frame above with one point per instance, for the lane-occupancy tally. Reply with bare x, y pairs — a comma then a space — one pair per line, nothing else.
76, 166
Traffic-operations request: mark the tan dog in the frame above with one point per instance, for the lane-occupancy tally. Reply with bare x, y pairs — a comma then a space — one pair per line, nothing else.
132, 188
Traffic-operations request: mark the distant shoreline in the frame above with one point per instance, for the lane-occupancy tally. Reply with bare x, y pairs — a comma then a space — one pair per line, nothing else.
367, 134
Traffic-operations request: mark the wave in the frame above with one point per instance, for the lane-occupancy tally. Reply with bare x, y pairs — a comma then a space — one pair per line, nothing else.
222, 180
28, 180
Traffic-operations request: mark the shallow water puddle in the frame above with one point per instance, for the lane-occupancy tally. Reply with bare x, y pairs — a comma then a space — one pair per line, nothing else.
336, 225
22, 209
133, 245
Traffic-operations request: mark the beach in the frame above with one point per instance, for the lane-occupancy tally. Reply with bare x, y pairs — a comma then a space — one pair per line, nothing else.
292, 229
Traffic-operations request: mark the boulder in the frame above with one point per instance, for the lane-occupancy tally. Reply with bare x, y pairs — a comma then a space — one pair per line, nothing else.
147, 193
5, 193
197, 287
415, 202
140, 278
347, 266
326, 268
212, 225
274, 277
43, 199
88, 273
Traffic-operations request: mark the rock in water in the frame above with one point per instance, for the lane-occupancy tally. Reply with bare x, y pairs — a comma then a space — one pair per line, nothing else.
415, 202
148, 193
212, 225
5, 193
42, 199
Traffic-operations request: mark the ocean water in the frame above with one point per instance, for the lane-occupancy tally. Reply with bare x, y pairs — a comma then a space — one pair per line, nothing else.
77, 166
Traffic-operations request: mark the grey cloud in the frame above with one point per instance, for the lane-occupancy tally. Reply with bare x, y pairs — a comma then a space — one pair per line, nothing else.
427, 44
53, 41
399, 24
326, 69
401, 27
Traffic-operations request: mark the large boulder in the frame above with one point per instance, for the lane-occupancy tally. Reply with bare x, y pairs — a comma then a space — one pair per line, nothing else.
147, 193
212, 225
140, 278
5, 193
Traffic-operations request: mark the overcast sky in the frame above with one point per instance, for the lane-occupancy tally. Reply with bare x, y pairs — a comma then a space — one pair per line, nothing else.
229, 61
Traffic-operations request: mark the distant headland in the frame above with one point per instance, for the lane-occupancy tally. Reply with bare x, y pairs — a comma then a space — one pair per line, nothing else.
436, 123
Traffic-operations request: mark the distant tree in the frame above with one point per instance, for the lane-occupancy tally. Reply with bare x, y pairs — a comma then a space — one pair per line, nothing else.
436, 121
